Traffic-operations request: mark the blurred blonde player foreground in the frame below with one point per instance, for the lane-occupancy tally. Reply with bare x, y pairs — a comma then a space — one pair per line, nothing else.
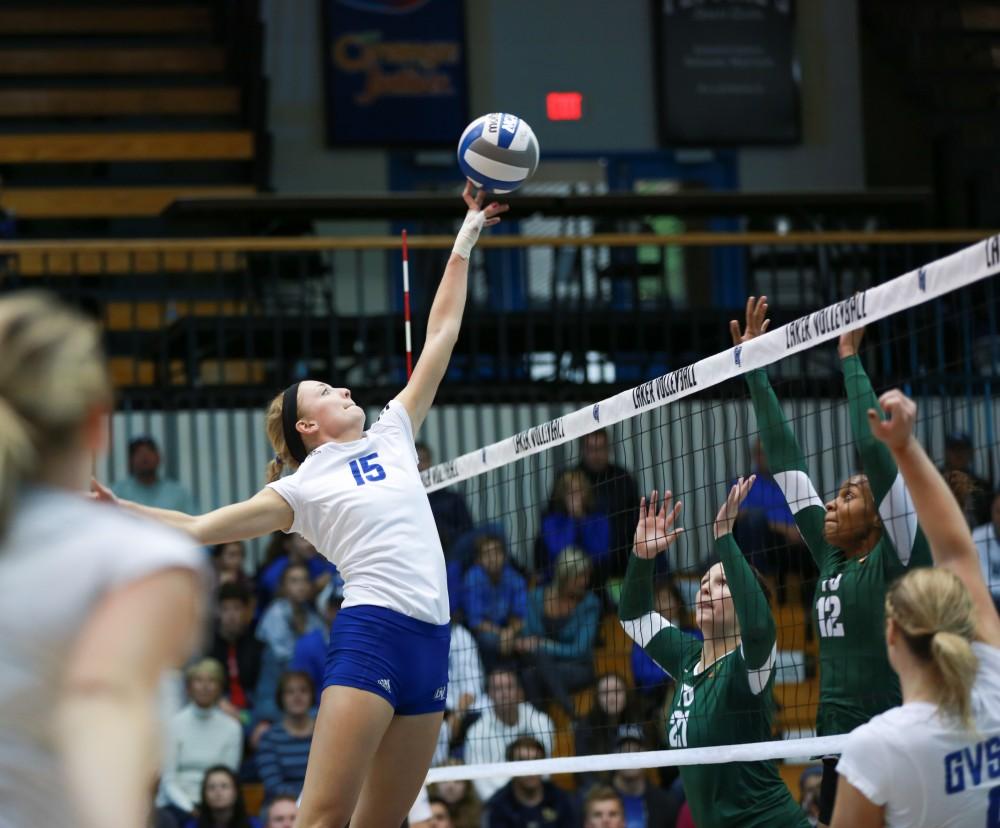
357, 496
96, 602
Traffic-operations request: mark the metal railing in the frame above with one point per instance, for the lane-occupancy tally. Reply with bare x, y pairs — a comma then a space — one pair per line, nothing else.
223, 322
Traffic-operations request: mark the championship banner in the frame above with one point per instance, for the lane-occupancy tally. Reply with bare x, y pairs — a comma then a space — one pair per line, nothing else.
395, 72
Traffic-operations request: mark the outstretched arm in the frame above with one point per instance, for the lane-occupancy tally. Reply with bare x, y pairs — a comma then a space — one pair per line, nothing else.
783, 452
445, 318
892, 499
757, 630
940, 515
861, 398
663, 642
265, 512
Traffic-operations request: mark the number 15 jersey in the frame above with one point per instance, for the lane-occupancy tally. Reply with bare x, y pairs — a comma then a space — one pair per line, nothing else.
362, 504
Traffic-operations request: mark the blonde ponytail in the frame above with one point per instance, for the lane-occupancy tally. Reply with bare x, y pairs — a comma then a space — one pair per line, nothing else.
52, 375
276, 435
953, 657
17, 458
936, 616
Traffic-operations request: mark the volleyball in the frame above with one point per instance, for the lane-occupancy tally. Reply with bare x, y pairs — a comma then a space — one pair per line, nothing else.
498, 152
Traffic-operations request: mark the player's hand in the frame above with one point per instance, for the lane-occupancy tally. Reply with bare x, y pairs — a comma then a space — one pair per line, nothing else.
475, 203
756, 321
476, 219
102, 493
731, 508
850, 342
897, 430
655, 530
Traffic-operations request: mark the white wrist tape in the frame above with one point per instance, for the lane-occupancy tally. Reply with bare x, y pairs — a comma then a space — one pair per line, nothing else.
469, 234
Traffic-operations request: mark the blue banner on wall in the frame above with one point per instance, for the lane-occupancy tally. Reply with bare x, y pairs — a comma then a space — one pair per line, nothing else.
395, 72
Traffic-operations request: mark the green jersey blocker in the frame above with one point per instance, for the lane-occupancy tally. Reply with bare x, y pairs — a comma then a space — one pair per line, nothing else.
730, 701
856, 681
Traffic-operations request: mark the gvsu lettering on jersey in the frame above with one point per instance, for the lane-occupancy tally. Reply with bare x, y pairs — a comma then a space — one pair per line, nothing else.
539, 436
664, 387
968, 767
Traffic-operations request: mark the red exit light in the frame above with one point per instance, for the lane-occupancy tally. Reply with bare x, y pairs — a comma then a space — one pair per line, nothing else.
564, 106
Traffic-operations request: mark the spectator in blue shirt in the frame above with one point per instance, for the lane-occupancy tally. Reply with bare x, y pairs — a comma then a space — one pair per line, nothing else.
284, 550
766, 532
644, 804
144, 484
281, 626
615, 494
451, 514
309, 655
284, 749
528, 800
494, 600
557, 646
573, 520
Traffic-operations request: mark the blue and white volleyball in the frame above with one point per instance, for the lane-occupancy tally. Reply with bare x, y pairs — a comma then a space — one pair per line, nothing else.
498, 152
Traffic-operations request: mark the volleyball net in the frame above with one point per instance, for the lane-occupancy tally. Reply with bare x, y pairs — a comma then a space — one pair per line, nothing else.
555, 507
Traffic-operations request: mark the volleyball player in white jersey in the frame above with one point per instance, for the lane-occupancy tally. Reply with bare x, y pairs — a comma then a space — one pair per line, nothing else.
358, 498
935, 760
94, 603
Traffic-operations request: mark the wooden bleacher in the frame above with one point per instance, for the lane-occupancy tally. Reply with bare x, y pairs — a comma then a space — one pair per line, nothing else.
103, 202
205, 60
47, 148
126, 262
128, 107
55, 103
99, 19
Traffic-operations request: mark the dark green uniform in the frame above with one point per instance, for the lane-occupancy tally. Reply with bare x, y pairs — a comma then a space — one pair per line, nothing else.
729, 702
856, 681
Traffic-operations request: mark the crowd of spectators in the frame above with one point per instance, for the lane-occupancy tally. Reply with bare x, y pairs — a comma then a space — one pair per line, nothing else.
524, 635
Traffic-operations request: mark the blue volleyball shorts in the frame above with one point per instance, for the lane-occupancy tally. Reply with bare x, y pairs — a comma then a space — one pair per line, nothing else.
401, 659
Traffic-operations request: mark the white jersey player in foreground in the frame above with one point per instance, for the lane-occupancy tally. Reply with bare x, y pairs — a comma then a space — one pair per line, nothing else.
96, 603
357, 496
935, 760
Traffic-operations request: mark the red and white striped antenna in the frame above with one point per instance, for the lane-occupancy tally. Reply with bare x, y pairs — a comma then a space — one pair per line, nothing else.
406, 308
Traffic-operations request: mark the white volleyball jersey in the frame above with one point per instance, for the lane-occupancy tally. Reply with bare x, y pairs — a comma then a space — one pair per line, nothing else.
926, 770
62, 554
363, 506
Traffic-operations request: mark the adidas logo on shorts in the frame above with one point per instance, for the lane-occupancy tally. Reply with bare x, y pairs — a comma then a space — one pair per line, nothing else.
385, 685
440, 693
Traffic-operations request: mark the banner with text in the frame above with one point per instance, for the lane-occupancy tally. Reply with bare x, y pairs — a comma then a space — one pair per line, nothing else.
395, 72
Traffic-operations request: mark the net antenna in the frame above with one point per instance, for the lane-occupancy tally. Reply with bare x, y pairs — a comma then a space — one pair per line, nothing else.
406, 308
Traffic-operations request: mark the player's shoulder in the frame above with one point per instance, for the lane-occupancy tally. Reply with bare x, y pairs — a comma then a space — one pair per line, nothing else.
393, 417
893, 728
69, 526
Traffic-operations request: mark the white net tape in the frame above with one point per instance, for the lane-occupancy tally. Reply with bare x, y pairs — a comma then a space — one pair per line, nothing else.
967, 266
936, 279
